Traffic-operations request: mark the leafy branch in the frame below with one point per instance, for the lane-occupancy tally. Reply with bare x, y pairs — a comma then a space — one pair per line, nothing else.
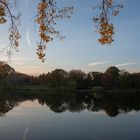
102, 21
14, 34
48, 13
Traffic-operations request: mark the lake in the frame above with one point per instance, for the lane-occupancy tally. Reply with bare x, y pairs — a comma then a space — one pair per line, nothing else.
69, 116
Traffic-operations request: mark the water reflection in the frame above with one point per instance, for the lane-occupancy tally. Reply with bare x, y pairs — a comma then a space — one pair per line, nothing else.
112, 104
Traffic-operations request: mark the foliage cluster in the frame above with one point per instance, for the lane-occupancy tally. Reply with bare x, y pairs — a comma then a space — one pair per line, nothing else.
102, 21
47, 15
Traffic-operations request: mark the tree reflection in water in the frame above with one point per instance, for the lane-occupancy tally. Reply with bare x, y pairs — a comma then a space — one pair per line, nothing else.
112, 104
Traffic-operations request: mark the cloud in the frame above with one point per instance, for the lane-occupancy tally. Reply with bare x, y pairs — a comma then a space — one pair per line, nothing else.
32, 67
28, 38
125, 64
18, 63
98, 63
20, 59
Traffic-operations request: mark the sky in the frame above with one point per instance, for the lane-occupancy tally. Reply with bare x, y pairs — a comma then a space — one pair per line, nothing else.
80, 49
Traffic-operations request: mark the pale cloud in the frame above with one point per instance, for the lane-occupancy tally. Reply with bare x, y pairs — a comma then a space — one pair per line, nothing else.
28, 38
20, 59
125, 64
98, 63
13, 58
33, 67
31, 70
18, 63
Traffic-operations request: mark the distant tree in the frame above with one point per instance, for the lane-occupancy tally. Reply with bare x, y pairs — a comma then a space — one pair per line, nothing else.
14, 79
125, 80
34, 80
42, 79
135, 80
128, 80
113, 70
5, 70
79, 77
57, 78
95, 78
110, 78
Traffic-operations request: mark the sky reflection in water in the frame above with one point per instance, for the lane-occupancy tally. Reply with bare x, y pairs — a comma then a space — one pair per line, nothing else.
73, 117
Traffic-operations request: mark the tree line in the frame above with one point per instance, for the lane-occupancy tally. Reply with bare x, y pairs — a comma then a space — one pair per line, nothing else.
112, 78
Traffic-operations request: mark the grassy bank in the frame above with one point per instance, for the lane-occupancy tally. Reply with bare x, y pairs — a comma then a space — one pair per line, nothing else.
45, 89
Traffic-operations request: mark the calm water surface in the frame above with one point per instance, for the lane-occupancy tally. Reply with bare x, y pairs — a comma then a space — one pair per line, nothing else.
69, 117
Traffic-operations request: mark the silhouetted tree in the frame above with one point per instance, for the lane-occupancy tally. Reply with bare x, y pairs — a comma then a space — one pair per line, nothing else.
79, 77
110, 78
57, 78
95, 78
5, 70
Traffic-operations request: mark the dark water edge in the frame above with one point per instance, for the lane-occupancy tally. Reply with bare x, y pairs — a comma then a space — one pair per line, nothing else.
112, 103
